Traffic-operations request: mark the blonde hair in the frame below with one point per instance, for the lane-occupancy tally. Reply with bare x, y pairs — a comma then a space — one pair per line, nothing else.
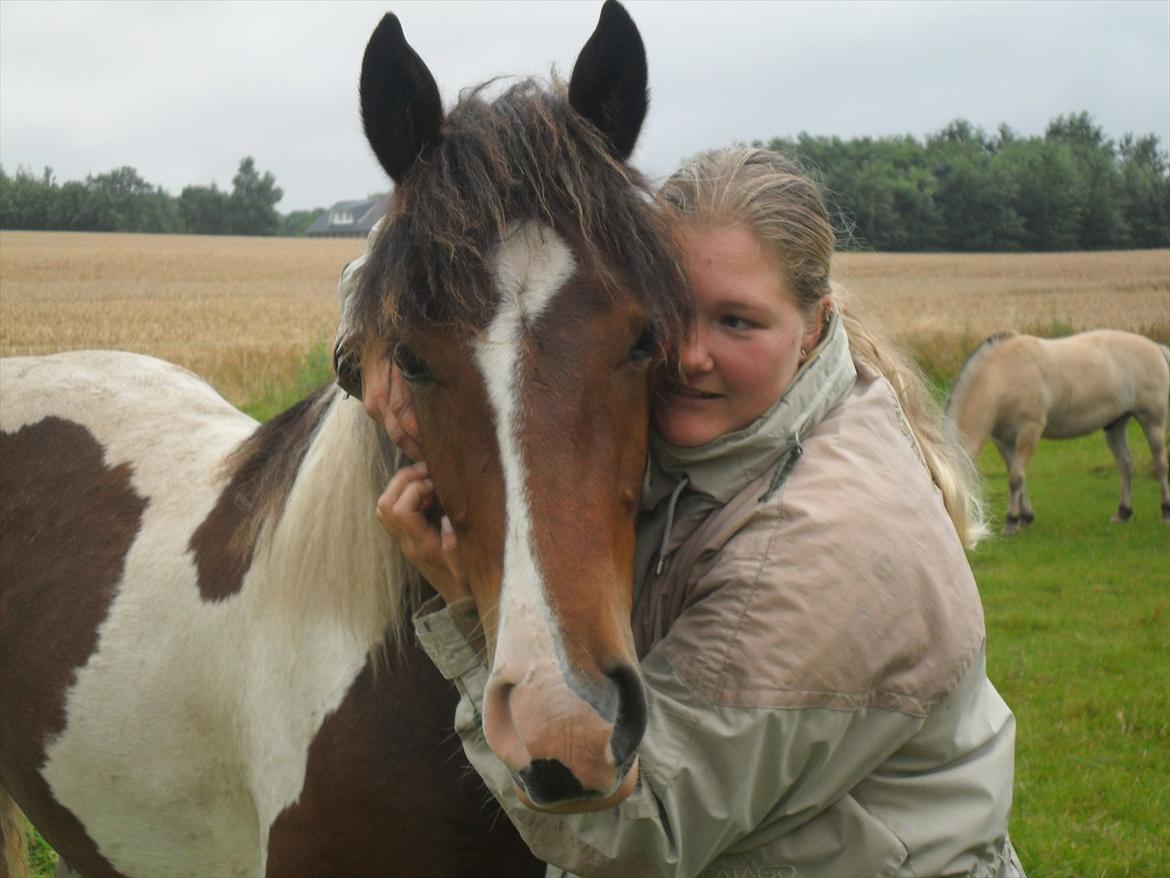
784, 209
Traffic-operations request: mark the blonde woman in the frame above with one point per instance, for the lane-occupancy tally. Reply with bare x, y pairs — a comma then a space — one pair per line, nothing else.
808, 628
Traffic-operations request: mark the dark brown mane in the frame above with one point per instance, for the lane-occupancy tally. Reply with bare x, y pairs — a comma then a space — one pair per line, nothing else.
260, 473
527, 155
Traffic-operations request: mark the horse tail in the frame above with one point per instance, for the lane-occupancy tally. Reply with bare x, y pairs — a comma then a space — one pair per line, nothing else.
14, 862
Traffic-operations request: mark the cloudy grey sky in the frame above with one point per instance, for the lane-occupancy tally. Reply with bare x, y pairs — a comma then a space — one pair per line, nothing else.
181, 91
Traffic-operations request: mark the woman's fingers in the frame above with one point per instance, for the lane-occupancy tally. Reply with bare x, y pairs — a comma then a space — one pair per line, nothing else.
410, 511
433, 549
402, 510
403, 505
405, 476
448, 579
450, 548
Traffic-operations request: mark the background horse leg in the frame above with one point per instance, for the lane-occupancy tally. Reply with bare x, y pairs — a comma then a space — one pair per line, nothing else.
1026, 516
1026, 441
1115, 436
1154, 427
13, 844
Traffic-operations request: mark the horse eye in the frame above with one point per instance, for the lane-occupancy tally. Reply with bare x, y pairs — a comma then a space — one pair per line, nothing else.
643, 348
411, 364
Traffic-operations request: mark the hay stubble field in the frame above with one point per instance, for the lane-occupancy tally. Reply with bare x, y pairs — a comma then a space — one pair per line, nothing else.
1078, 611
242, 312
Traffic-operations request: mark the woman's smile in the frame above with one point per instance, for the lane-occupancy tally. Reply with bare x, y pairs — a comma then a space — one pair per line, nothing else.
692, 394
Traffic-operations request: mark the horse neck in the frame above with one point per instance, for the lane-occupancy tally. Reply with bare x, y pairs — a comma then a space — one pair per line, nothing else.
326, 558
971, 406
974, 416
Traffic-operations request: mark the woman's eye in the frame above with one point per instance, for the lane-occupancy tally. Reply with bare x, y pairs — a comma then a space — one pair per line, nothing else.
732, 321
411, 365
643, 348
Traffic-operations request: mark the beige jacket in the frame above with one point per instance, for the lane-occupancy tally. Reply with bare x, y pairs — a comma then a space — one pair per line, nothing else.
813, 649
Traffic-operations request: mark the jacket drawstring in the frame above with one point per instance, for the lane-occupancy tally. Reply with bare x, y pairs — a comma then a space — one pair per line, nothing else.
784, 469
674, 495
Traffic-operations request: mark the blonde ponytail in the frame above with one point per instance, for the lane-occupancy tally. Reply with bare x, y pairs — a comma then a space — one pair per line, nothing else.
951, 469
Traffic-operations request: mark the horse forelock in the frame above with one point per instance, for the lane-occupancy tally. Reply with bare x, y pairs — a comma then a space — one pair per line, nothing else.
524, 156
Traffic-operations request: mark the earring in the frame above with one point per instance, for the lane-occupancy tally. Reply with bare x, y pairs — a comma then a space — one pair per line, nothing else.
803, 353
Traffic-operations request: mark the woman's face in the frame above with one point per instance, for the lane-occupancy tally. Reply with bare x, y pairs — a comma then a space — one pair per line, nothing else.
744, 349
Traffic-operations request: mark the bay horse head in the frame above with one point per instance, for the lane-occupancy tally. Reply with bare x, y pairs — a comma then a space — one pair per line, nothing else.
524, 281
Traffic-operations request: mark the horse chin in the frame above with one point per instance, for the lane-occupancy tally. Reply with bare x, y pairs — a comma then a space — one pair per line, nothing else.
619, 794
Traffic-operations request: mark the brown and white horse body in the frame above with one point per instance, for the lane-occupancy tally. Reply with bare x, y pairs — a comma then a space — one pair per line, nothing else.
1017, 389
192, 606
197, 697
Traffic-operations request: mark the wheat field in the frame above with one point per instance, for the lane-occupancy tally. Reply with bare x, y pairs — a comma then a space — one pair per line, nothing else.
940, 305
243, 312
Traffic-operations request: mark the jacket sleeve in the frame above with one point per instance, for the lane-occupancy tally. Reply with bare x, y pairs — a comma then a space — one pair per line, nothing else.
713, 779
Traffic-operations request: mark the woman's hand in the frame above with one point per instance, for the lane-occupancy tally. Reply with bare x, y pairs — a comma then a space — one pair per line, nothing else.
402, 510
404, 506
387, 399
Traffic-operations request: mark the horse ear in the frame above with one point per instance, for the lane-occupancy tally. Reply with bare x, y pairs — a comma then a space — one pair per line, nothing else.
401, 107
608, 85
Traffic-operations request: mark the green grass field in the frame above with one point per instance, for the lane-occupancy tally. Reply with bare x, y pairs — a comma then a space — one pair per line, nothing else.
1078, 622
314, 370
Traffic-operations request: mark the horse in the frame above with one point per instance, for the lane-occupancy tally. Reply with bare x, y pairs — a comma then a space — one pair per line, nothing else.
1016, 389
203, 629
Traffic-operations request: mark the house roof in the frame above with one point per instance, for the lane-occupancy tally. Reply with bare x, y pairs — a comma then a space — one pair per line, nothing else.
363, 213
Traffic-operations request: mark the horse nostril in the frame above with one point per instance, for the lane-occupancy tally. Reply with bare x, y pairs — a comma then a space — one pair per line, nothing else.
631, 719
549, 781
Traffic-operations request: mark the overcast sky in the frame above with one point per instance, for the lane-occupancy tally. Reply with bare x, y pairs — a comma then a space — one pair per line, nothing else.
181, 91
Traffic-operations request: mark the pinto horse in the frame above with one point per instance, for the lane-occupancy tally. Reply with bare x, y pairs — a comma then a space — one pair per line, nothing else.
205, 665
1015, 389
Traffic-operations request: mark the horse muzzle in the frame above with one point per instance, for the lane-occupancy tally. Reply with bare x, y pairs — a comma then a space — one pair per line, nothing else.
570, 743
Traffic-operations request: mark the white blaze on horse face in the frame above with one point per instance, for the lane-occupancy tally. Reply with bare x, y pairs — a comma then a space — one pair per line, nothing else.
531, 266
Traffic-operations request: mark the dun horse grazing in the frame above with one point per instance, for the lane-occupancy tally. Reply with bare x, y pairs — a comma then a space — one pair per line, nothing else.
204, 664
1016, 389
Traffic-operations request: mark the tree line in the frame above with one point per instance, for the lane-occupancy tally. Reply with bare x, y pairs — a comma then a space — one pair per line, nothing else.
962, 189
122, 201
